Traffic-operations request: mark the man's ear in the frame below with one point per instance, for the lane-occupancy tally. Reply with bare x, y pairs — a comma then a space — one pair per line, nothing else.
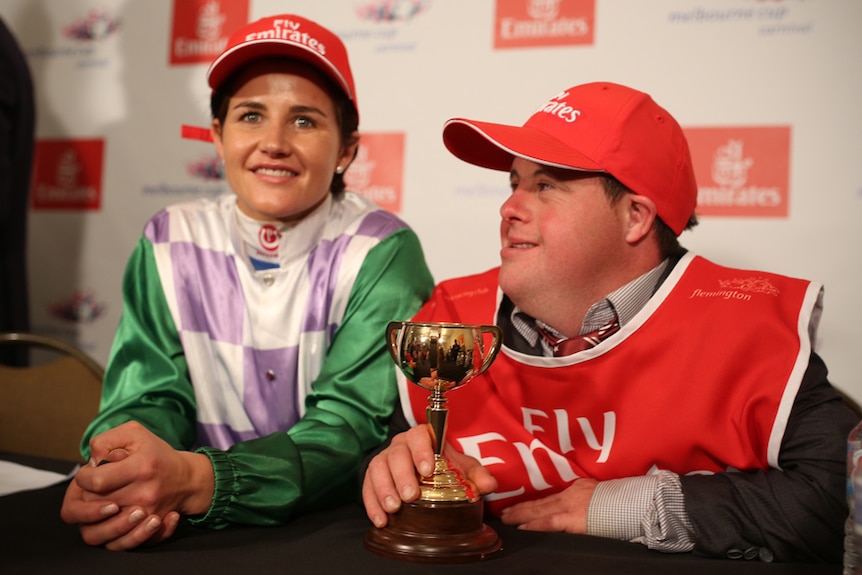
641, 215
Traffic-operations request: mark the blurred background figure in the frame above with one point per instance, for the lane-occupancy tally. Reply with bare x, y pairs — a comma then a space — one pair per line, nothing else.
17, 128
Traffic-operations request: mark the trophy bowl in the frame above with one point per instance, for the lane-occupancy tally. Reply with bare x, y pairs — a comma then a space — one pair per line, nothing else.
445, 525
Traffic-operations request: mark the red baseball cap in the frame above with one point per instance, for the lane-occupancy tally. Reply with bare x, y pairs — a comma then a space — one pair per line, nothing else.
286, 36
596, 127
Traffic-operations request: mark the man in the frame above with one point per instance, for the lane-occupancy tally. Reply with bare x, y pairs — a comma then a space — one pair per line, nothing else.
696, 415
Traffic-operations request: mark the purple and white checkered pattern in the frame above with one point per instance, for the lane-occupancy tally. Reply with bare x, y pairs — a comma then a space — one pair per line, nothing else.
256, 340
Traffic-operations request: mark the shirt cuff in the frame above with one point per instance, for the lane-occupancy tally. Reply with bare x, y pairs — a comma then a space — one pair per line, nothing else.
223, 491
618, 505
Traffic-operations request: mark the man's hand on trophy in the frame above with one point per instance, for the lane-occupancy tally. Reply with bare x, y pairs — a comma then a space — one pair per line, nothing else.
473, 471
391, 475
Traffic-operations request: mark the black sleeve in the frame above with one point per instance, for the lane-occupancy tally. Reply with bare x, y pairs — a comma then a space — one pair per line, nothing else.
796, 512
17, 134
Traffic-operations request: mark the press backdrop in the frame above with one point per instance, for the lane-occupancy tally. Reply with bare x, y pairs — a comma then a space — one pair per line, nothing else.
768, 91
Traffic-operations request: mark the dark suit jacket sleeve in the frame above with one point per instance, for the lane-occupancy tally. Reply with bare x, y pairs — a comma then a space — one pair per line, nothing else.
17, 133
797, 512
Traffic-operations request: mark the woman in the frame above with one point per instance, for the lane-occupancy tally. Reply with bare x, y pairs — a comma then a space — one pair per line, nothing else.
249, 374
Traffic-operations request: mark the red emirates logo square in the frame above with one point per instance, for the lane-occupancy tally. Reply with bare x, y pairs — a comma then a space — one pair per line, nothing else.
741, 171
201, 28
378, 170
532, 23
67, 175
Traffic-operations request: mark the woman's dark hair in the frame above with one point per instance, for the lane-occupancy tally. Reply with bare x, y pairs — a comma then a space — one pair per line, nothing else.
346, 115
668, 242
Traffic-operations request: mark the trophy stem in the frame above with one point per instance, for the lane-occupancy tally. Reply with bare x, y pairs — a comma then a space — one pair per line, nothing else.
444, 483
437, 413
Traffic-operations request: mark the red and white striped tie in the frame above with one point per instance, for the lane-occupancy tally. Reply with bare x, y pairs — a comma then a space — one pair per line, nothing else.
564, 346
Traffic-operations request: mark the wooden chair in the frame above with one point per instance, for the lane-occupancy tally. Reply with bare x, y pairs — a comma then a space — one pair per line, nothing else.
45, 408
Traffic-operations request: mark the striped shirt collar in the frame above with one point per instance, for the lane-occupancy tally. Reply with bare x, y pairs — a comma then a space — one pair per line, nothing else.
625, 302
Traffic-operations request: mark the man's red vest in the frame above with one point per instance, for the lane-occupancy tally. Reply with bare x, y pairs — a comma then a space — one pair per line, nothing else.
701, 380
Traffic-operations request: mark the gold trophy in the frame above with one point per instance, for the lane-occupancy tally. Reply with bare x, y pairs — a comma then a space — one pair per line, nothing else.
445, 524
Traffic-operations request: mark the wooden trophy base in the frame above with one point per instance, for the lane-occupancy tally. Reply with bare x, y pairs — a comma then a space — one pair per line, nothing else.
436, 532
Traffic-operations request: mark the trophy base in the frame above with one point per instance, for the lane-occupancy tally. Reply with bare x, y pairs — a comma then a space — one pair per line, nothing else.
436, 532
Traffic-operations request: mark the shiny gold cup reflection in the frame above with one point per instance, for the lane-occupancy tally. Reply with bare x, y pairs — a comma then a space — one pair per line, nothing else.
445, 525
440, 357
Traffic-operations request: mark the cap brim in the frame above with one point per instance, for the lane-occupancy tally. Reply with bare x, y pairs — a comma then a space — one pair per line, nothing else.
495, 146
232, 60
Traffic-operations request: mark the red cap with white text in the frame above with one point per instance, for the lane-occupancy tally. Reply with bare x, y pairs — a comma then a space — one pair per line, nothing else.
285, 36
597, 127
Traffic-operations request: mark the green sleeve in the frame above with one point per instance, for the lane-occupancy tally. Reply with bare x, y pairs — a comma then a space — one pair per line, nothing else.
264, 481
146, 378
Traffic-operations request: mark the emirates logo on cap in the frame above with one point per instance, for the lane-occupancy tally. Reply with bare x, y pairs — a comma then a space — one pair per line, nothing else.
559, 107
285, 29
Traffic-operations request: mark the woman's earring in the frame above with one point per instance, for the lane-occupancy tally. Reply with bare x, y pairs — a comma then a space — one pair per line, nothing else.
339, 170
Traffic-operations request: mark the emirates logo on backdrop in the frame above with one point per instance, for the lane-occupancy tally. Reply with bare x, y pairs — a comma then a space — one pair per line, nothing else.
530, 23
742, 171
201, 28
378, 169
67, 175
